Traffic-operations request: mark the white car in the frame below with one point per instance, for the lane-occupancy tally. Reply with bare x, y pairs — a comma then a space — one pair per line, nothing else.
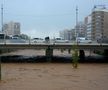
84, 41
37, 40
59, 40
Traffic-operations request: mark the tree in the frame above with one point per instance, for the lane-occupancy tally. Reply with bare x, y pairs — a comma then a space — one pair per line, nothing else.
75, 56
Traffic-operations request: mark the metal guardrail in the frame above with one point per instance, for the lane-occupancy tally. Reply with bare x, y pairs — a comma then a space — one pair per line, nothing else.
8, 41
23, 44
53, 46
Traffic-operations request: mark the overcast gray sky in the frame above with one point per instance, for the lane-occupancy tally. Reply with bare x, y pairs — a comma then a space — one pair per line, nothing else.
40, 18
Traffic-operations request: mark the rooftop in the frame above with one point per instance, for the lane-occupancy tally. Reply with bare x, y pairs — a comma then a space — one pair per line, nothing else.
100, 8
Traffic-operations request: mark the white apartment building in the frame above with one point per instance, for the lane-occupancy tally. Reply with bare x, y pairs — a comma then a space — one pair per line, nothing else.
88, 21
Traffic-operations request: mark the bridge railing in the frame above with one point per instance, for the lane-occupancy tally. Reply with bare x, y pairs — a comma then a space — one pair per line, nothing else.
22, 41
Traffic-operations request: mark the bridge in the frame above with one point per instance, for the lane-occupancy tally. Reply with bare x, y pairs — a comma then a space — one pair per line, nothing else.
49, 47
29, 44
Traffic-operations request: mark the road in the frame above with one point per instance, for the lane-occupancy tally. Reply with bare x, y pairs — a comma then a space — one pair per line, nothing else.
22, 41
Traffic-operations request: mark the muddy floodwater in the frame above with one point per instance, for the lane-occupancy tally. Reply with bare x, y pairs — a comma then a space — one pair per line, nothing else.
54, 76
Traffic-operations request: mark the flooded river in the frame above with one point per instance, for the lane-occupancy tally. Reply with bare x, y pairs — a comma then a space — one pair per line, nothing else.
54, 76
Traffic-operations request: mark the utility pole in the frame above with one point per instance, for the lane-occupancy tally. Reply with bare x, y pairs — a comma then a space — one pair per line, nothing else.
2, 17
4, 35
4, 32
76, 32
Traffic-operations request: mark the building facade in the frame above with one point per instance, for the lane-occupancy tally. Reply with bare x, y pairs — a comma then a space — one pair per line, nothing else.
99, 23
11, 28
88, 27
67, 34
80, 29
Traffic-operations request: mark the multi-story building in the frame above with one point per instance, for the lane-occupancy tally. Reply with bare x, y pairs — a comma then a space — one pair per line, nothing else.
67, 34
80, 29
88, 27
11, 28
99, 23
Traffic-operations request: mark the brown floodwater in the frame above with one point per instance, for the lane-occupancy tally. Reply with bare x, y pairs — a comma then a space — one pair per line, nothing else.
54, 76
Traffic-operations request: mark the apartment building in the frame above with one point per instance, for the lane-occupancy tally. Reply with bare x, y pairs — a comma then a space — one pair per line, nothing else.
88, 27
99, 23
67, 34
11, 28
80, 29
